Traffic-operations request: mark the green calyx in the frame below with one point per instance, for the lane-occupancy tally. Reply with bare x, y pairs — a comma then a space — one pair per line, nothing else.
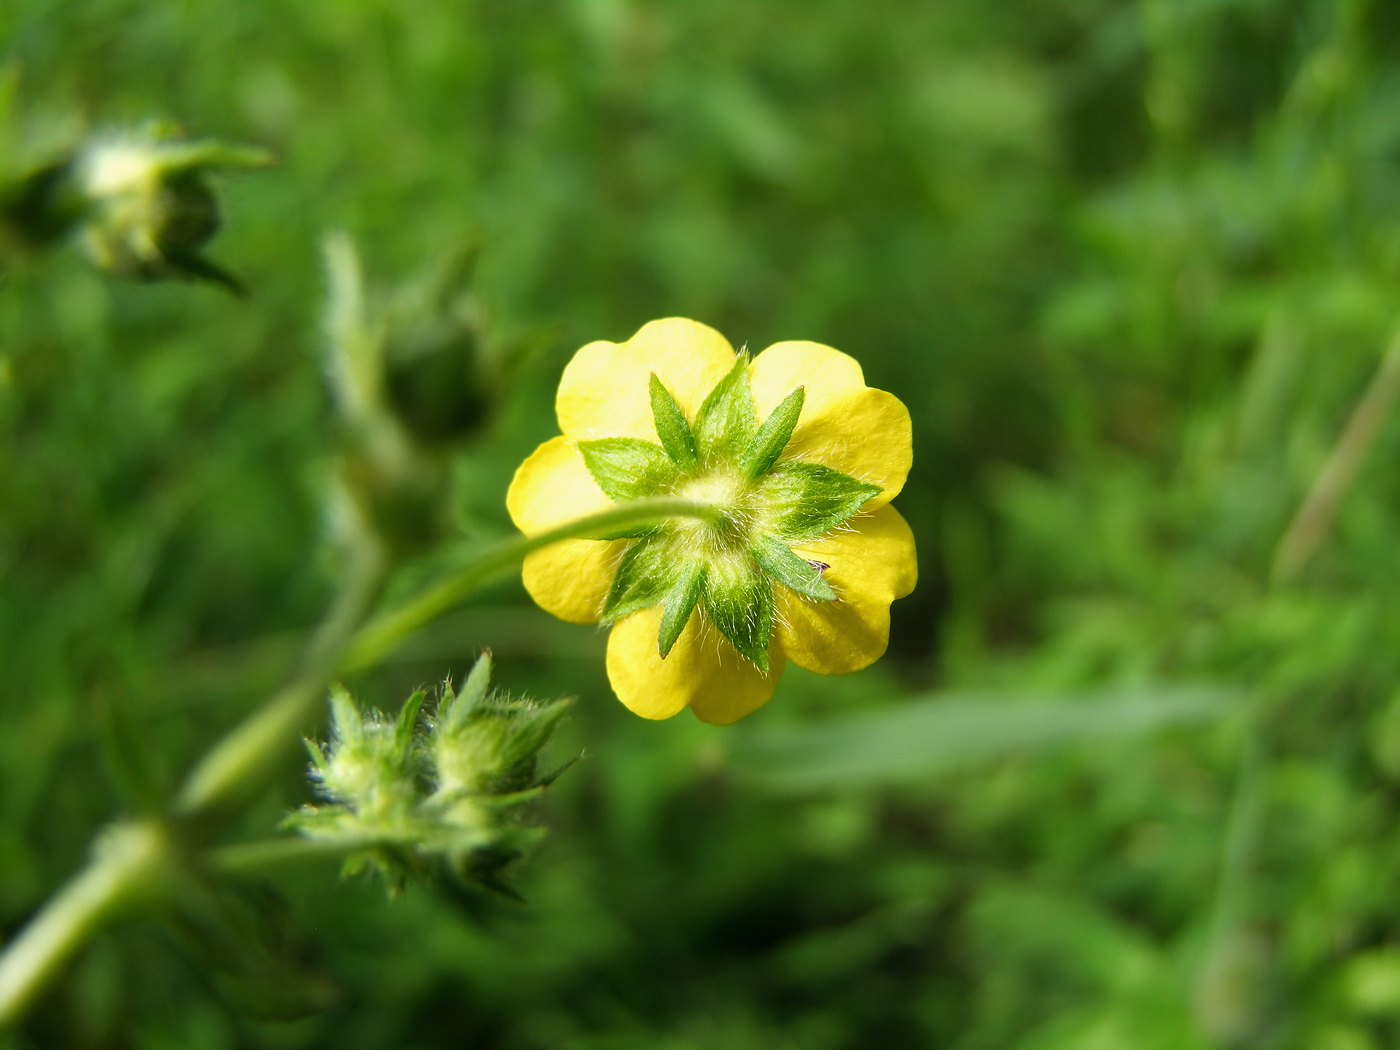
727, 567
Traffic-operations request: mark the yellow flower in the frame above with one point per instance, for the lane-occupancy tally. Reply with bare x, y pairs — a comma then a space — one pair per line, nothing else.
799, 457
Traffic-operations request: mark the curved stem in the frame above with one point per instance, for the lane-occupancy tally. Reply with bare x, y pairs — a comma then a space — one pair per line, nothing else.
387, 631
259, 740
131, 858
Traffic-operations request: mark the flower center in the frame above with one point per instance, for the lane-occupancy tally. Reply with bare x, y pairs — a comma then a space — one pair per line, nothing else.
734, 496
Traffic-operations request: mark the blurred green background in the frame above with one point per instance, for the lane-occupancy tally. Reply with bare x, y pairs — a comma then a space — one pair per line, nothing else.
1129, 265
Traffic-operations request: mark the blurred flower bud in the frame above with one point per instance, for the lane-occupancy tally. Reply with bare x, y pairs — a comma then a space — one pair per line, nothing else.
439, 366
398, 489
410, 797
148, 207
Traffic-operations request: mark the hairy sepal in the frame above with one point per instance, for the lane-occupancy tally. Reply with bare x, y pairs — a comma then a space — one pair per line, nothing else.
739, 600
807, 500
777, 559
628, 468
680, 603
770, 440
728, 418
643, 579
671, 426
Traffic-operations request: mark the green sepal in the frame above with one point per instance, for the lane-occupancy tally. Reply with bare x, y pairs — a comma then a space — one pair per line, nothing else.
534, 731
628, 468
406, 726
740, 602
680, 603
728, 418
777, 559
671, 426
642, 580
807, 500
454, 708
768, 444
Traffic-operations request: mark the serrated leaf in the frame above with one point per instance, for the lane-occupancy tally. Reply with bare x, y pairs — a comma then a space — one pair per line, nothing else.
777, 559
628, 468
739, 600
680, 603
807, 500
727, 419
671, 426
645, 575
770, 440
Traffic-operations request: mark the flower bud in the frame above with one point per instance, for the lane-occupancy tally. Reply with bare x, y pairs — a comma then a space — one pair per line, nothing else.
438, 361
148, 207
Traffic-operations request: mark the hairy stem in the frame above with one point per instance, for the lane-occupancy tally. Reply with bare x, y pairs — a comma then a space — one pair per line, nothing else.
129, 861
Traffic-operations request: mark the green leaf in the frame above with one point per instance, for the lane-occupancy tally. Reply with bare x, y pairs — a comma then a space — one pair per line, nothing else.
645, 575
920, 739
680, 603
777, 559
739, 600
768, 444
727, 419
807, 500
628, 468
671, 426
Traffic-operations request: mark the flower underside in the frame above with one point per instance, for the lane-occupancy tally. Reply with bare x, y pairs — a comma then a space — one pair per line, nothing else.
765, 505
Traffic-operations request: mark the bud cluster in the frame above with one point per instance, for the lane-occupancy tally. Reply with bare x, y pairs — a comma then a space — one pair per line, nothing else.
432, 792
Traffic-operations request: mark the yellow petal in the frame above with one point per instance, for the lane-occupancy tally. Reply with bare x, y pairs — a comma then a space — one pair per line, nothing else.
551, 487
569, 579
845, 424
872, 562
605, 389
702, 672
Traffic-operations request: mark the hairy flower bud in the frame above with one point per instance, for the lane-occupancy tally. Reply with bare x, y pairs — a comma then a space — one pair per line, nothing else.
411, 795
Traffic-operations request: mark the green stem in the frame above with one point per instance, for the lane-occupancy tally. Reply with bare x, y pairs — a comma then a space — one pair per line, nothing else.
259, 741
252, 857
382, 635
242, 756
129, 861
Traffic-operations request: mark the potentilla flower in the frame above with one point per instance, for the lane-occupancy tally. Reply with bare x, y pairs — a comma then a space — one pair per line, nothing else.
800, 460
